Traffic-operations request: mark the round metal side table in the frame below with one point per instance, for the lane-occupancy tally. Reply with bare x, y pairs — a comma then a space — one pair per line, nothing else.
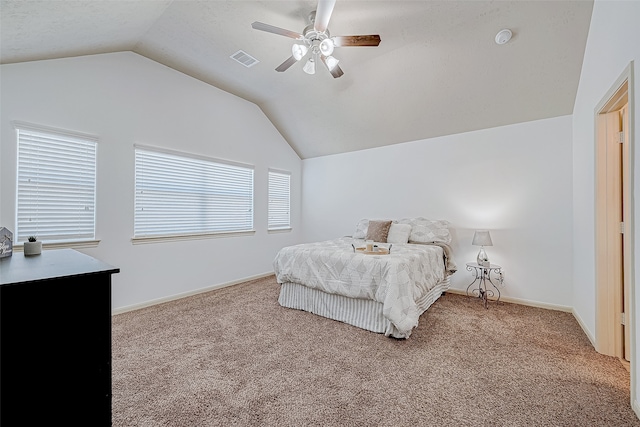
482, 275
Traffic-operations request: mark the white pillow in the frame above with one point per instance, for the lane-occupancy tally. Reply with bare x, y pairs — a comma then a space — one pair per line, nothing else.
427, 231
361, 229
399, 233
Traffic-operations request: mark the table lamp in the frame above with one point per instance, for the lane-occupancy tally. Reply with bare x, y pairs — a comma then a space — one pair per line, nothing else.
482, 238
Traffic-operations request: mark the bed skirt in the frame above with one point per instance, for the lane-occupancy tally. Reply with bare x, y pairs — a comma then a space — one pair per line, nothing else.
365, 314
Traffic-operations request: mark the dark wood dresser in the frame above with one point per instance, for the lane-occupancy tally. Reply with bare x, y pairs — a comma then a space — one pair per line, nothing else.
55, 339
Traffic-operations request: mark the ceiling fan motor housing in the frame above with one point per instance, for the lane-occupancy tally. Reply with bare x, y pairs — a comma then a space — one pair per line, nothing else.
310, 33
316, 40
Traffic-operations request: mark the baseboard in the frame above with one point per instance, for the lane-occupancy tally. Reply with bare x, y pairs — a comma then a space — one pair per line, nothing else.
520, 301
584, 328
187, 294
636, 408
548, 306
451, 290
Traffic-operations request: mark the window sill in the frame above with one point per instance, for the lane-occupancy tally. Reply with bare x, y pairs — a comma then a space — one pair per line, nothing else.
180, 237
61, 245
279, 230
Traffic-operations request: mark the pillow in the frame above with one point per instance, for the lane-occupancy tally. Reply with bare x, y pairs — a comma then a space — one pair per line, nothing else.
378, 231
399, 233
427, 231
361, 229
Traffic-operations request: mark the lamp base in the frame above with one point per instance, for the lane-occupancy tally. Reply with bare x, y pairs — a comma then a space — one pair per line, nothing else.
482, 258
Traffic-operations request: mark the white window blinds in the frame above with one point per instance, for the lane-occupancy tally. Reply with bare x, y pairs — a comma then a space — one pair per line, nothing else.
279, 200
180, 194
56, 190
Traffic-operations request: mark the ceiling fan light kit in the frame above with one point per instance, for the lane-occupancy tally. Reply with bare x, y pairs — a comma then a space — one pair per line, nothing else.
330, 62
309, 67
326, 47
317, 41
298, 51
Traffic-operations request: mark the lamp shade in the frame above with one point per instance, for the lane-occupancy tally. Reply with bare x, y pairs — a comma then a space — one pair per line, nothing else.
482, 238
309, 67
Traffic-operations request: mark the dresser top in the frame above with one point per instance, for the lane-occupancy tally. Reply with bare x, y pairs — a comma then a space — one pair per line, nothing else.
51, 264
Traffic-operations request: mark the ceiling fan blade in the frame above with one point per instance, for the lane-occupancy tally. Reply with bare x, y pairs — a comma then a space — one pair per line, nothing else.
323, 14
286, 64
370, 40
276, 30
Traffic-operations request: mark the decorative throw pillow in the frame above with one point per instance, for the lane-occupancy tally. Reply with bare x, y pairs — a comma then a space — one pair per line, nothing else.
378, 231
428, 231
399, 233
361, 229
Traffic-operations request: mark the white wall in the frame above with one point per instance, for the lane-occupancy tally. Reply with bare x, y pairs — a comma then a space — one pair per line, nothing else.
514, 180
612, 44
124, 99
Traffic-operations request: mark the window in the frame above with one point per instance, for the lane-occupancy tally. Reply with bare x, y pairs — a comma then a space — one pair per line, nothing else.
56, 191
180, 194
279, 200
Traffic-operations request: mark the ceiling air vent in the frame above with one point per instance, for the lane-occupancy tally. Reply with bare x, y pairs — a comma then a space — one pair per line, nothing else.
244, 58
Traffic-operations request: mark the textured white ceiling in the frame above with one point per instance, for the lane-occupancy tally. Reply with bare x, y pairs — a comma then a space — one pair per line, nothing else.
436, 72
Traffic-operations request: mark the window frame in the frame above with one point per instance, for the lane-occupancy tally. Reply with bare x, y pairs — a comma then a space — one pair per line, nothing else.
194, 158
281, 173
61, 136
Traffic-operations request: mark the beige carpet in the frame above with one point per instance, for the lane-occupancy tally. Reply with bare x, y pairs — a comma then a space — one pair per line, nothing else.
234, 357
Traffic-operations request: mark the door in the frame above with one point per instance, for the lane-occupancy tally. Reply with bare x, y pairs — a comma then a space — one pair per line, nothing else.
626, 292
612, 188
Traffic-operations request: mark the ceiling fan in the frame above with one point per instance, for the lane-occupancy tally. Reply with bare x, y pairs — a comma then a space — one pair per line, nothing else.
316, 40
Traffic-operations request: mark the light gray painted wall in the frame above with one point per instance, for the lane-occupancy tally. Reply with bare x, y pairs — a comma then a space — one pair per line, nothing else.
124, 99
612, 44
514, 180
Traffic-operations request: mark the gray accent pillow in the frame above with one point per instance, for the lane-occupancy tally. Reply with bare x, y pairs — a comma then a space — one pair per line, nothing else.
378, 231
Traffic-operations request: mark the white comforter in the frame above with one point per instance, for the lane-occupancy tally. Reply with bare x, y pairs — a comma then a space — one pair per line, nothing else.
396, 280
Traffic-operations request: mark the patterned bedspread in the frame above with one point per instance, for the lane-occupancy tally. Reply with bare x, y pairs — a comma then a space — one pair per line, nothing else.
396, 280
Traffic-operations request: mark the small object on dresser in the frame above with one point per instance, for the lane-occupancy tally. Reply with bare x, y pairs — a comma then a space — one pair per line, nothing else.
33, 246
6, 242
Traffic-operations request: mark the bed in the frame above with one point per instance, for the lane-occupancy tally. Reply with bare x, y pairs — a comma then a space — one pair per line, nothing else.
379, 292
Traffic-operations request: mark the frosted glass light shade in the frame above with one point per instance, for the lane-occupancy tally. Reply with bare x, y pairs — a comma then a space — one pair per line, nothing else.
298, 51
331, 62
482, 238
326, 47
309, 67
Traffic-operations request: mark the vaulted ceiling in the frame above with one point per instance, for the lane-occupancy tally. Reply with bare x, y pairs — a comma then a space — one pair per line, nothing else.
437, 70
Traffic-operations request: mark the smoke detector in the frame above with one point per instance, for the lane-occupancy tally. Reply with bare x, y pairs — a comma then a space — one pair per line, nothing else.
503, 36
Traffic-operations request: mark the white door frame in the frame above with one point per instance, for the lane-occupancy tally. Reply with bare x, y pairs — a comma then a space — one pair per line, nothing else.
605, 319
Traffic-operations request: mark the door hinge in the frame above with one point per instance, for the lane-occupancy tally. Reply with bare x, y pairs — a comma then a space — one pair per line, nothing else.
622, 228
621, 137
622, 320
